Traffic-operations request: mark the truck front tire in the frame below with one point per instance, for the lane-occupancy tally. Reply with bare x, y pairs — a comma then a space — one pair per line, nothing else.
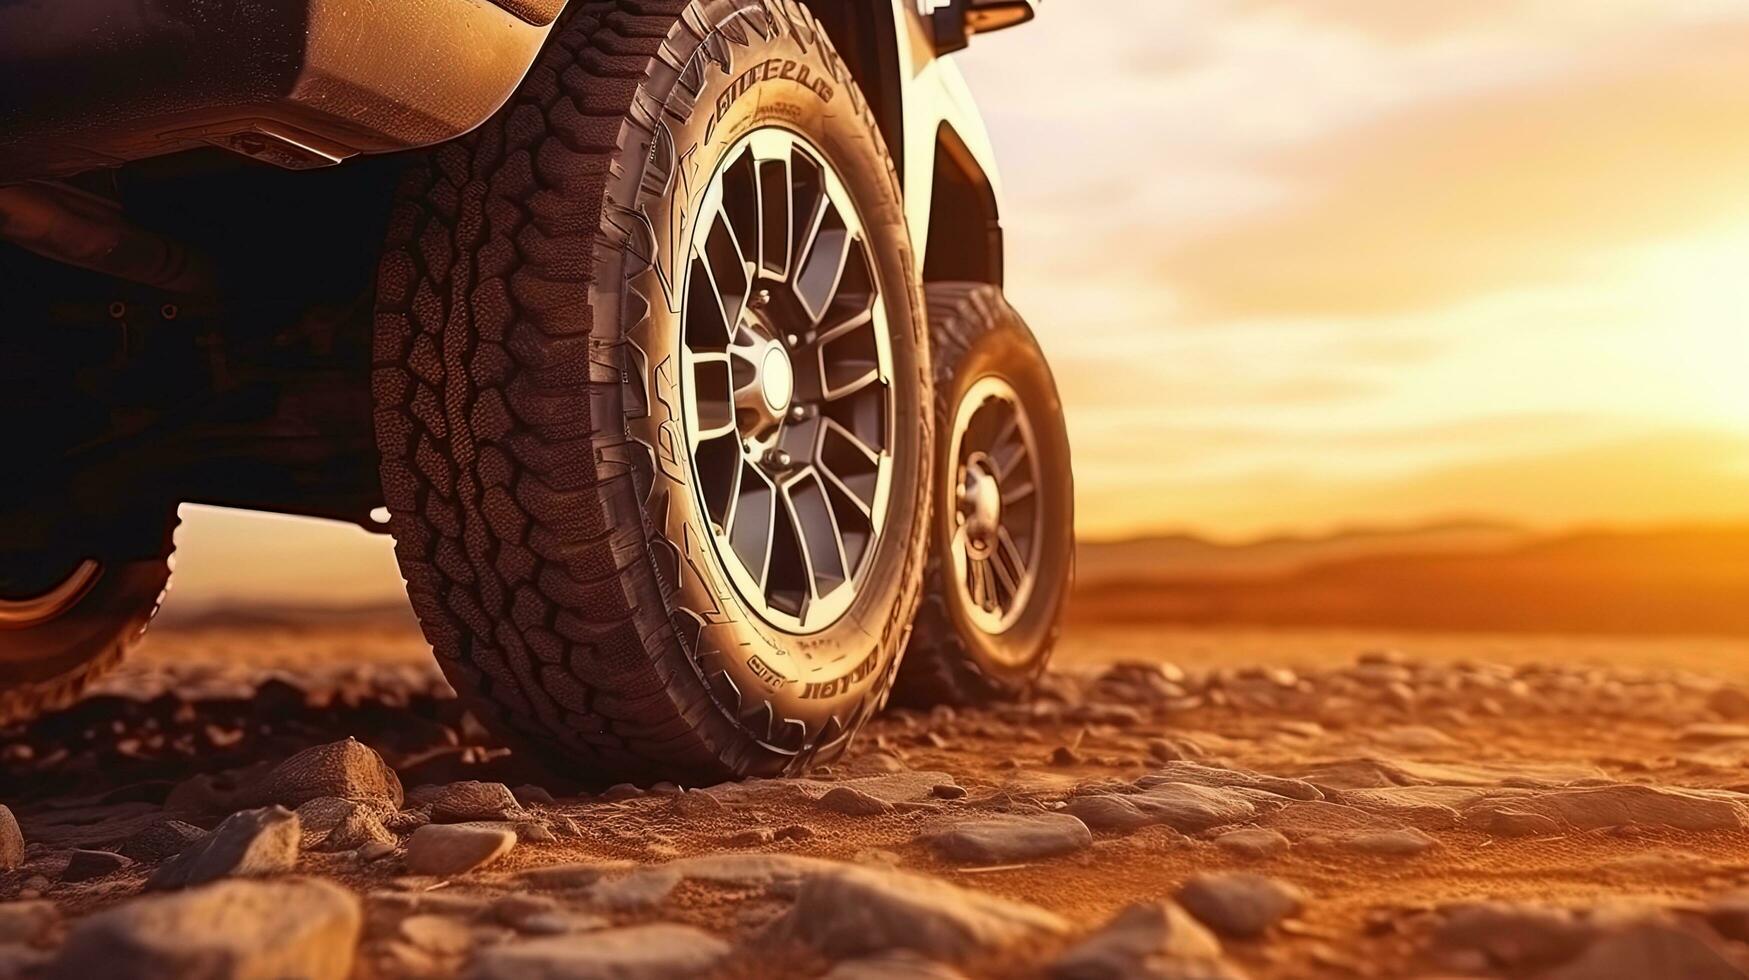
653, 394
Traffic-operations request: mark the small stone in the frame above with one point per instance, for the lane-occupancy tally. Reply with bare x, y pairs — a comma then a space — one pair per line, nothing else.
1253, 842
620, 791
696, 805
1063, 755
166, 838
229, 929
1407, 842
947, 791
1650, 949
1501, 820
530, 795
646, 952
453, 849
27, 922
252, 843
1184, 807
850, 911
794, 832
893, 966
11, 840
1003, 838
1146, 941
347, 769
405, 821
1510, 936
361, 827
84, 865
1730, 703
472, 800
374, 851
853, 802
439, 935
1240, 905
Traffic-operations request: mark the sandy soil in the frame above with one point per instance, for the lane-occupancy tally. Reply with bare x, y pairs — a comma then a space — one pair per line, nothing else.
1417, 773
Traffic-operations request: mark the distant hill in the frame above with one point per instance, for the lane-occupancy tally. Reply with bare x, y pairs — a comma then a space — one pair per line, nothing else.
1453, 578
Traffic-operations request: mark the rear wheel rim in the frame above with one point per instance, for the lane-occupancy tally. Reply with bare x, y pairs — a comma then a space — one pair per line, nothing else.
998, 523
787, 382
24, 612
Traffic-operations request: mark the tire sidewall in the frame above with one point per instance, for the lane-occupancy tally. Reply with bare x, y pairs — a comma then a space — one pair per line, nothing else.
762, 65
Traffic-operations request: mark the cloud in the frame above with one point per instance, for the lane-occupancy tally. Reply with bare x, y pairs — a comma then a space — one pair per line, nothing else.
1512, 186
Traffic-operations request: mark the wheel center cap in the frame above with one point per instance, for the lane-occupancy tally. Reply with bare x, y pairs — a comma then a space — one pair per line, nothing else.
981, 500
777, 380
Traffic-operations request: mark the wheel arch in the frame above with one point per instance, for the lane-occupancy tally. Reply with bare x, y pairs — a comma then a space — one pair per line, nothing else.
965, 221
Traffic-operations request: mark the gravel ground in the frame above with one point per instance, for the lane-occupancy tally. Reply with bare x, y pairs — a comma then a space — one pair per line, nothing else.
1370, 813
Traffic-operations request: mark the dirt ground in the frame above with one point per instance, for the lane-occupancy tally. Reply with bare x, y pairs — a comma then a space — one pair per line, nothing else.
1593, 789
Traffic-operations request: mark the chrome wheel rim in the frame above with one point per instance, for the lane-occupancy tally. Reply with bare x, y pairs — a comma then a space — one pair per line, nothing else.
997, 521
26, 612
786, 381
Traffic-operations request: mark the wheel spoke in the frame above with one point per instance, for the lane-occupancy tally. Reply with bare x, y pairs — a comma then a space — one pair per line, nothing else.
1009, 561
817, 529
1017, 493
822, 253
713, 396
753, 522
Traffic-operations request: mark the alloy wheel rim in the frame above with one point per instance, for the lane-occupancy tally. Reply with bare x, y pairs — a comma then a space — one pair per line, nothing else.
29, 611
786, 378
997, 521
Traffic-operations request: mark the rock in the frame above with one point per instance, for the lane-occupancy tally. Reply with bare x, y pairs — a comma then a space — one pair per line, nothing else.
646, 952
252, 843
854, 802
530, 795
849, 911
1216, 776
1407, 842
230, 929
358, 829
405, 821
1511, 936
1003, 838
948, 791
1730, 703
166, 838
1505, 820
894, 966
1184, 807
84, 865
1253, 842
347, 769
452, 849
1632, 805
1146, 941
27, 922
11, 840
1240, 905
442, 936
1298, 821
1426, 807
324, 813
1650, 949
472, 800
577, 875
1729, 916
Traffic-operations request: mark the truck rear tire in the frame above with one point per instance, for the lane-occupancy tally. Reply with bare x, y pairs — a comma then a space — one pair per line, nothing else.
66, 619
1002, 543
653, 393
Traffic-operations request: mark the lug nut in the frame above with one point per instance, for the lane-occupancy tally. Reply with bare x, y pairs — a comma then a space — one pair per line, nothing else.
798, 412
792, 339
777, 459
760, 299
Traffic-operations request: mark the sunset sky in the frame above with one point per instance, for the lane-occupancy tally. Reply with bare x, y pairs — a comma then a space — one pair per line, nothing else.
1308, 264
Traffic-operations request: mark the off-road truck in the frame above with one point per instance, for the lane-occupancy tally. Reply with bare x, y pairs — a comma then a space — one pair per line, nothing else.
665, 336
